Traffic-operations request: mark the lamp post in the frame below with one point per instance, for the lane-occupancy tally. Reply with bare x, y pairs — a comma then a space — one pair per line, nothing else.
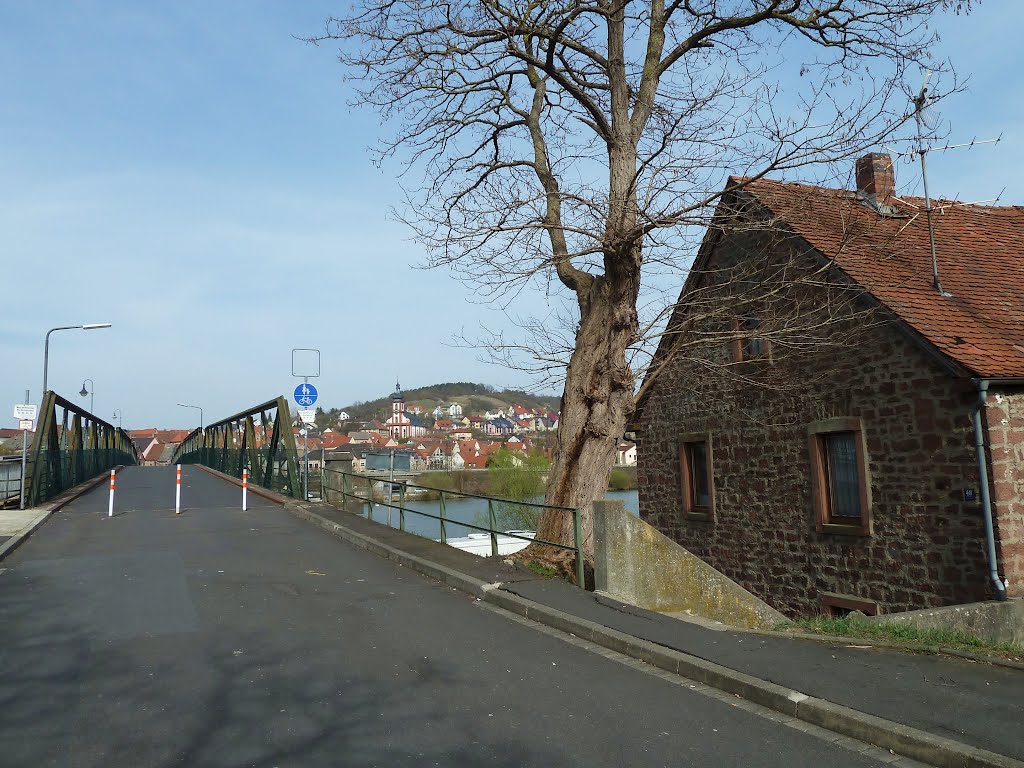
119, 415
186, 405
46, 345
89, 392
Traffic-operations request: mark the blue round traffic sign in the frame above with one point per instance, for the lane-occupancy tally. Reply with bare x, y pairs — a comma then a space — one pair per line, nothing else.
305, 395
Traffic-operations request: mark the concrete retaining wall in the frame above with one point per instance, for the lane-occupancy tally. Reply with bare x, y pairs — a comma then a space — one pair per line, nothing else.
1000, 622
635, 563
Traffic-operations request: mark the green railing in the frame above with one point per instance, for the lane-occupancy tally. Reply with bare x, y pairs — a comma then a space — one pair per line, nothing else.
360, 488
265, 446
71, 446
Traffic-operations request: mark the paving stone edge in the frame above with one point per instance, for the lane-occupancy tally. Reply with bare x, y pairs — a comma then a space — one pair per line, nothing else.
887, 734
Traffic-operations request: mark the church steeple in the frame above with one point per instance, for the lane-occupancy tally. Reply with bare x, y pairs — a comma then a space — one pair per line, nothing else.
397, 400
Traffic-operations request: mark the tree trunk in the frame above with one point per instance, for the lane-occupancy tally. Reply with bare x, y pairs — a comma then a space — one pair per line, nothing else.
596, 404
598, 395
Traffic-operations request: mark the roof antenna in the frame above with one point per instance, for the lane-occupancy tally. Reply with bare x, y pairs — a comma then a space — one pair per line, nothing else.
921, 101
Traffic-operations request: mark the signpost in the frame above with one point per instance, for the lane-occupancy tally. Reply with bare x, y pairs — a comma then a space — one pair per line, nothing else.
25, 414
306, 365
306, 395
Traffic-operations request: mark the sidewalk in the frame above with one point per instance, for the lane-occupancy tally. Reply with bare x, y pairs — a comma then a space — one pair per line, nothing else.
18, 524
940, 710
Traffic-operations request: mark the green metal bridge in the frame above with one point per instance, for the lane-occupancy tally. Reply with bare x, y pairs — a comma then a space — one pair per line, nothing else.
69, 447
73, 446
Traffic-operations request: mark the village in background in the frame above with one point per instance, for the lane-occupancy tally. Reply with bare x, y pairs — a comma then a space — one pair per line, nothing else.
444, 427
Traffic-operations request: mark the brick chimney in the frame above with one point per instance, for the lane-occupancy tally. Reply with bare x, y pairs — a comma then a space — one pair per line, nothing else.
875, 176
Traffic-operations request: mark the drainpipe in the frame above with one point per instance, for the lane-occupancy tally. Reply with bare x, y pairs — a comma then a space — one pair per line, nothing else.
986, 501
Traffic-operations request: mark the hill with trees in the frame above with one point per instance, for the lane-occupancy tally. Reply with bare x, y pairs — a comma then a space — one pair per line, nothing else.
474, 399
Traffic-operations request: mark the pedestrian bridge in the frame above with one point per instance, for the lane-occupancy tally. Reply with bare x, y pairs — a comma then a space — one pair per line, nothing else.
72, 446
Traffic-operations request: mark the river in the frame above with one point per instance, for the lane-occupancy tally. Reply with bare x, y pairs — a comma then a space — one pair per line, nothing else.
458, 510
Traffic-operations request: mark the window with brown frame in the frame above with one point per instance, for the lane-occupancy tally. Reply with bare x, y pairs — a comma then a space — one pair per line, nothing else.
696, 475
749, 344
841, 492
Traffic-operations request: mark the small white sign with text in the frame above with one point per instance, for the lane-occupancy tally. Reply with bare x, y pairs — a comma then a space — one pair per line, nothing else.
25, 412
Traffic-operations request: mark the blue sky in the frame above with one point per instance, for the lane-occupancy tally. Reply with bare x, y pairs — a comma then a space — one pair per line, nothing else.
191, 173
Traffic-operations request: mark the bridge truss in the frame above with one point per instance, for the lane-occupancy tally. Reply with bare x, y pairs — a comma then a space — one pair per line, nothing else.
259, 439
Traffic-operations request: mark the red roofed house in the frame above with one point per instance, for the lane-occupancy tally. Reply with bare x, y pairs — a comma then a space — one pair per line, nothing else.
151, 456
333, 440
851, 480
625, 454
478, 461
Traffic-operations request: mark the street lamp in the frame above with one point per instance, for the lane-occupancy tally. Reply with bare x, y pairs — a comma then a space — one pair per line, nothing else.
89, 392
186, 405
119, 415
46, 346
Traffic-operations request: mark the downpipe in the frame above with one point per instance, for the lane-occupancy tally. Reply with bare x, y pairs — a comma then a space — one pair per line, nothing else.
986, 501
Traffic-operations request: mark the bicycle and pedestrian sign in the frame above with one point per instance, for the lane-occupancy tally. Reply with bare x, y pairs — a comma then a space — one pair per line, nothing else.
305, 395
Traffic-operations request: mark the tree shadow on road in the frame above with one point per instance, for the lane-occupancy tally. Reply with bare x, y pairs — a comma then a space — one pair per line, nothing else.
72, 696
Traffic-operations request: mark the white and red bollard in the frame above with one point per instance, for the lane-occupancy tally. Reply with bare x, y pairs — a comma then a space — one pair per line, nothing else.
245, 486
110, 505
177, 491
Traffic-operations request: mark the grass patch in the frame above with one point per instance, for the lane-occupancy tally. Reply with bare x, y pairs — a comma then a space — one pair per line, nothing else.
622, 479
542, 570
904, 634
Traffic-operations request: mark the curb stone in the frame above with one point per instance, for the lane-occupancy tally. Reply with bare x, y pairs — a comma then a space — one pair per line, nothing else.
19, 538
887, 734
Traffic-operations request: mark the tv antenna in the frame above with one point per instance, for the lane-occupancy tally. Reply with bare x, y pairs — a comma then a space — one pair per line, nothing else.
922, 102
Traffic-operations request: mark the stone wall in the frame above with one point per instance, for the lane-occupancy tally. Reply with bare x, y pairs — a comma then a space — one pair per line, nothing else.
639, 565
998, 621
1005, 417
927, 548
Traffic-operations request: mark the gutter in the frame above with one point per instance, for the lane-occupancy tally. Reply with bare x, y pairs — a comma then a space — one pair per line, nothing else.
986, 501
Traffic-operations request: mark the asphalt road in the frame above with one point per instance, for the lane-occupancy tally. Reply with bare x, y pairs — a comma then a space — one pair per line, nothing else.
223, 638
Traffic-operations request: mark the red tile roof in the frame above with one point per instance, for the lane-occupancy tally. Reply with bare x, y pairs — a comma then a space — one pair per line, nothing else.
980, 255
476, 462
153, 452
334, 440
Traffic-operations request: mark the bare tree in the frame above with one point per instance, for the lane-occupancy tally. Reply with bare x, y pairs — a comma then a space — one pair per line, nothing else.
578, 145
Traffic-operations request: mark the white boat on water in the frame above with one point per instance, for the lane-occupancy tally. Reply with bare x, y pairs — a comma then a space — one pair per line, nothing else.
480, 543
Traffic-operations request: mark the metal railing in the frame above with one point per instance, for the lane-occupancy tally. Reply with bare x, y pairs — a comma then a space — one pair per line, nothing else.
10, 480
71, 446
347, 485
267, 449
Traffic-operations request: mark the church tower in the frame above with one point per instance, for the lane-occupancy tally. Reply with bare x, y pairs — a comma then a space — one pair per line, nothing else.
398, 424
397, 400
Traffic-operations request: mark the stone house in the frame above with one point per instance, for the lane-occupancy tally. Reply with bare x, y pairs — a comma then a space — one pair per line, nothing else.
810, 423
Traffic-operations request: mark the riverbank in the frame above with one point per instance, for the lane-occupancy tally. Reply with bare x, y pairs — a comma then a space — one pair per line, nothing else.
478, 481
